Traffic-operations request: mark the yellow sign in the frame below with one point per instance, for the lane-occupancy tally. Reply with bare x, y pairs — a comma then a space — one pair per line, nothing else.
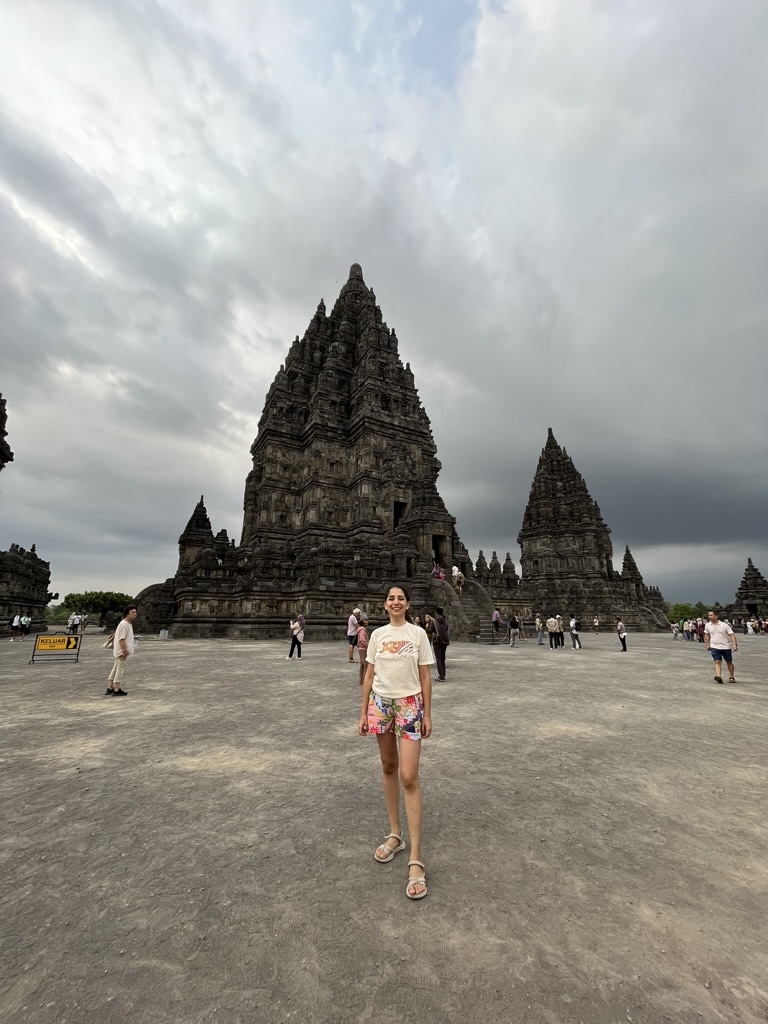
57, 643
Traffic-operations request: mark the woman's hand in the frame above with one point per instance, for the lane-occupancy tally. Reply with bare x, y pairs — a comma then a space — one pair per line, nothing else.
426, 727
362, 725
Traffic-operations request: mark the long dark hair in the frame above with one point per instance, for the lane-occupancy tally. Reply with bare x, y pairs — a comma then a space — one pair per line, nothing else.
406, 591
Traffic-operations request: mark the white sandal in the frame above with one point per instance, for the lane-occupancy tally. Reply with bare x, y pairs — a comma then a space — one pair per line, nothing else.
390, 850
419, 880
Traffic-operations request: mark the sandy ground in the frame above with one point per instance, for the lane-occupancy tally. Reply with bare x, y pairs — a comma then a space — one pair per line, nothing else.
202, 850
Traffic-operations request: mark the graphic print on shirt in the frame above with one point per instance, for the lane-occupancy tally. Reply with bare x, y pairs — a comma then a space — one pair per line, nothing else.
396, 648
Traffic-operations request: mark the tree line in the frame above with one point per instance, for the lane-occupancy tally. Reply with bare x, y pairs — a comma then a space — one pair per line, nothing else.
93, 602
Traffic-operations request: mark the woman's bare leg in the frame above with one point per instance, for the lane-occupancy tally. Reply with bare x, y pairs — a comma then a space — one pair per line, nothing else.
389, 765
410, 752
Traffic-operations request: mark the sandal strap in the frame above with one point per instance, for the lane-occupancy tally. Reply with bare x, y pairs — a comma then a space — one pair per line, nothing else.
417, 862
393, 835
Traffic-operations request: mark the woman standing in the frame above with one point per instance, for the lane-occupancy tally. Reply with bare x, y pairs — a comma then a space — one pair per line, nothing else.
397, 705
297, 636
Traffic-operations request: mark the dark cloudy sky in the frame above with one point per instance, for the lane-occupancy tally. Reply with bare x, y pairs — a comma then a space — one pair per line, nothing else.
562, 206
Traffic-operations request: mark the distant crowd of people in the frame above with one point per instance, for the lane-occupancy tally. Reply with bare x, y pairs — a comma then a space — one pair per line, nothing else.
695, 629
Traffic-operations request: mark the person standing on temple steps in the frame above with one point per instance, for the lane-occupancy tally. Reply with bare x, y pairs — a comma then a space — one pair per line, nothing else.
397, 710
621, 629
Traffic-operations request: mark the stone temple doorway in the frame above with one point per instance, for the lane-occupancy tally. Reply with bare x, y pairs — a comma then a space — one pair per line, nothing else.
441, 550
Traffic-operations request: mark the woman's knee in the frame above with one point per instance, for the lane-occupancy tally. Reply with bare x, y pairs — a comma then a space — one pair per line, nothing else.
409, 777
389, 765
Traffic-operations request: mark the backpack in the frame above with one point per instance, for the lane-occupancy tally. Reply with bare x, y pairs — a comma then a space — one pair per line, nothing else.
514, 622
577, 626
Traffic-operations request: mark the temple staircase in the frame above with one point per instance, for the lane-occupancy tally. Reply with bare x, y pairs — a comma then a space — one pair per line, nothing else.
469, 613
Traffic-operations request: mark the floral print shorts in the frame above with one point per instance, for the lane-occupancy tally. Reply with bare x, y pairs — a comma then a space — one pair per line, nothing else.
400, 715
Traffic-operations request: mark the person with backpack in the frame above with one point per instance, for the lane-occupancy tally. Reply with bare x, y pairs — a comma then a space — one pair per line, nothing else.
514, 630
297, 636
575, 630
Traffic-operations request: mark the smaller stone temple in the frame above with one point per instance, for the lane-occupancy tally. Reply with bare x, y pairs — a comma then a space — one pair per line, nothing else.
24, 577
566, 556
24, 581
752, 595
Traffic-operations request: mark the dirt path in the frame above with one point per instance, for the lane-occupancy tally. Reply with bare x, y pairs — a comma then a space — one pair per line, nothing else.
202, 850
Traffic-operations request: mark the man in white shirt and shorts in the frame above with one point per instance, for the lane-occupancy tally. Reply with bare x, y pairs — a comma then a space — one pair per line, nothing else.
123, 647
721, 641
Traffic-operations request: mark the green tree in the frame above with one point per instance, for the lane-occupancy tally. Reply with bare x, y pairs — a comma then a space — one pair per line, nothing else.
682, 610
97, 602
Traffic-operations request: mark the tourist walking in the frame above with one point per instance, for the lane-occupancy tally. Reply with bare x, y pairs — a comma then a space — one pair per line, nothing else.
73, 622
441, 641
362, 644
560, 630
596, 624
539, 631
397, 710
297, 636
721, 642
575, 627
352, 625
25, 624
514, 630
123, 647
621, 629
554, 636
15, 626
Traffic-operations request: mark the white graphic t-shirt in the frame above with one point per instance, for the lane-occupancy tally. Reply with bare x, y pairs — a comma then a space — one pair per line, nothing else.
396, 653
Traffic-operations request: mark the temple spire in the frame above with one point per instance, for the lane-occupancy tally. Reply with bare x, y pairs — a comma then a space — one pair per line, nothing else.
199, 524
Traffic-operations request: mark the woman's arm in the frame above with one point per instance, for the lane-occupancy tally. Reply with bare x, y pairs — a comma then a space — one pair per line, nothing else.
362, 725
425, 678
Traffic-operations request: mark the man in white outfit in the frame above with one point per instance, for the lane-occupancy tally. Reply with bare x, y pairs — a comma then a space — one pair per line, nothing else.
721, 641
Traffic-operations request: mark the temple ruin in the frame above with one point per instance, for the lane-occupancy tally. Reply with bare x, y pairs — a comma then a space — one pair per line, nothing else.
332, 511
752, 595
24, 576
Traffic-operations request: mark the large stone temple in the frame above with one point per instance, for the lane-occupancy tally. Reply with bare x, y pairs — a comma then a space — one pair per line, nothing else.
24, 576
333, 511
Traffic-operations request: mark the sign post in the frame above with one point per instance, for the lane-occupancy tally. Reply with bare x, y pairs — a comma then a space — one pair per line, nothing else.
58, 647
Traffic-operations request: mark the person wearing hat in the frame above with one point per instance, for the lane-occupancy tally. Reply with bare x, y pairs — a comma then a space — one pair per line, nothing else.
352, 625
